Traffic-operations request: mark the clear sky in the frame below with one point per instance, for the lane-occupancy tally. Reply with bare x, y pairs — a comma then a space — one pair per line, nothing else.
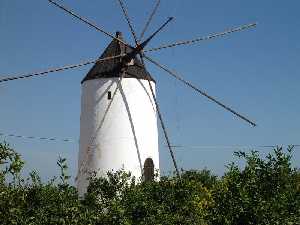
254, 71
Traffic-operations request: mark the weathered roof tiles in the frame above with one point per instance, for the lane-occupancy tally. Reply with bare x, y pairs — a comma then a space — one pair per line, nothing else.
114, 68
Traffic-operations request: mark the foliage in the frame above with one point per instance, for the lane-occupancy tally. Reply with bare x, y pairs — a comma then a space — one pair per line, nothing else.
10, 163
265, 191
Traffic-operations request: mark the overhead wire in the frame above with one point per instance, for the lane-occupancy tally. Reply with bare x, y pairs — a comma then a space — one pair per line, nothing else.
176, 147
229, 147
37, 138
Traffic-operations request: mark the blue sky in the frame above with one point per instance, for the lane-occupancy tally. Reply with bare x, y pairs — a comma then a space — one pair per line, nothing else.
255, 71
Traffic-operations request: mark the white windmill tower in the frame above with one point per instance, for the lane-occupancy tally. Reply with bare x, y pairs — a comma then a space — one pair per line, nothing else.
118, 125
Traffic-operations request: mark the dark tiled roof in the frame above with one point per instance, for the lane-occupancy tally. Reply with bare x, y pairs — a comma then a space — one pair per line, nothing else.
113, 68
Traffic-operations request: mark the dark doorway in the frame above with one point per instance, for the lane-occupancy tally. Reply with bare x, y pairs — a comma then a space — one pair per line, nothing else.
148, 170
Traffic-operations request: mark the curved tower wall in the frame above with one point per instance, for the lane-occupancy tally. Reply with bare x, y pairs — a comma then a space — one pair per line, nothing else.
116, 133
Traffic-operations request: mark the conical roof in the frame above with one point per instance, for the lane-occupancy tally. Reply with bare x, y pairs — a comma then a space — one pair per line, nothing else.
114, 68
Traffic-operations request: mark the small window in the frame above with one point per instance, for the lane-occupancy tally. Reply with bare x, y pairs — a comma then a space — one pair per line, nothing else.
148, 170
109, 95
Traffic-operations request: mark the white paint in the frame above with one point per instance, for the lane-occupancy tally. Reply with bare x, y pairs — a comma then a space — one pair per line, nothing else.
128, 130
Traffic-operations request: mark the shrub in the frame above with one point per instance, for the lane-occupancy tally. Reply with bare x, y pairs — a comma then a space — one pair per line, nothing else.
265, 191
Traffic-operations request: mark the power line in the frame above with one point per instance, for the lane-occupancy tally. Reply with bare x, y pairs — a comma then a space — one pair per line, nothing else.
37, 138
176, 147
227, 147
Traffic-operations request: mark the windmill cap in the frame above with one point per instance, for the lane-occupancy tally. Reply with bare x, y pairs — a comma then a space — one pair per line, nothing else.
119, 34
114, 67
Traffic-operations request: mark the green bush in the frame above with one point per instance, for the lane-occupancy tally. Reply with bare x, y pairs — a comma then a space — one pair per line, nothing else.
265, 191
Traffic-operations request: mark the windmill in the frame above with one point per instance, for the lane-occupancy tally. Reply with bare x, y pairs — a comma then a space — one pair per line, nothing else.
119, 108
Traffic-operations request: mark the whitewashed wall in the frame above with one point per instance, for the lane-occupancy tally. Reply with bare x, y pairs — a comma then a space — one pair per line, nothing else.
128, 130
